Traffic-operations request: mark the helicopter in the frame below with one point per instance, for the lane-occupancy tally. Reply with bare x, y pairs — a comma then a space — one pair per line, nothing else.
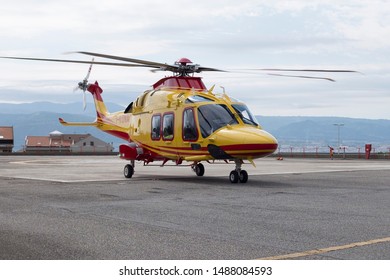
179, 119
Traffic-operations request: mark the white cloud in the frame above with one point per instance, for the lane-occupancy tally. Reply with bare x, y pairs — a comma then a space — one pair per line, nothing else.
365, 23
224, 34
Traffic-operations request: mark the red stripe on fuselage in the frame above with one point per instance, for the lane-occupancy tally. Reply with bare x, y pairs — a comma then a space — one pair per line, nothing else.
119, 134
239, 150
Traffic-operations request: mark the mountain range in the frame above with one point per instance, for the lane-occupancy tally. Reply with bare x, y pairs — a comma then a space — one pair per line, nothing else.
324, 131
41, 118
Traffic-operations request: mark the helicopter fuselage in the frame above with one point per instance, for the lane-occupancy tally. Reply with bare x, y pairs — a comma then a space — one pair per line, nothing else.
180, 120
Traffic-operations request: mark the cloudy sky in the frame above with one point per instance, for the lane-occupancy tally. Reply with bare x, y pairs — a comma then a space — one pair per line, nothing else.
222, 34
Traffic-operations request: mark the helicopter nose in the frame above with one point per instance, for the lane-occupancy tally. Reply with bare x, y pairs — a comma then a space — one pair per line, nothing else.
242, 142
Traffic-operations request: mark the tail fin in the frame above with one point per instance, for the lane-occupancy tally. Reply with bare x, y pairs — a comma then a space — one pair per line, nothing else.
101, 109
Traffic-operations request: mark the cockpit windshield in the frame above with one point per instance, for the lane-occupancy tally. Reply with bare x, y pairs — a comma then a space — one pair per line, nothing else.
245, 115
214, 116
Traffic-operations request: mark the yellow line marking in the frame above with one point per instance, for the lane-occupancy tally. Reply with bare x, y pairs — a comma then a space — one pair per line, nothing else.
326, 250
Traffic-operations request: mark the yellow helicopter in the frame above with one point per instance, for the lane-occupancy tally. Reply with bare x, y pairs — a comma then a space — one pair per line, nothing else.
180, 120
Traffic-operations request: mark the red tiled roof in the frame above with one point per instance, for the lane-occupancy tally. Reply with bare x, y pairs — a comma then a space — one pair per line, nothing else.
6, 132
46, 141
37, 141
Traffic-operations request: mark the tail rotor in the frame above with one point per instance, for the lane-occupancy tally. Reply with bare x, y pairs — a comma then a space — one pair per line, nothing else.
84, 85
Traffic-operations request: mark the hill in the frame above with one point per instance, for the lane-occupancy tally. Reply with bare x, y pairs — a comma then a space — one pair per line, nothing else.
322, 131
41, 118
73, 108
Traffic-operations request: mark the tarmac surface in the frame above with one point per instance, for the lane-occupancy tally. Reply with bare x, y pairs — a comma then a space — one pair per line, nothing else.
75, 207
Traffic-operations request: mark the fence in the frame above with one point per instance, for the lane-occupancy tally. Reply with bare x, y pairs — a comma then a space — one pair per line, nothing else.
324, 152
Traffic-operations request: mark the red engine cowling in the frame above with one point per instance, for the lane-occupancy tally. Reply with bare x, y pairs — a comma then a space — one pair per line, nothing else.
130, 151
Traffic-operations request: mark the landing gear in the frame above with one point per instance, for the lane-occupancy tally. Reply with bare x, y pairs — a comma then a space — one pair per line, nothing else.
128, 171
234, 176
238, 175
198, 169
243, 176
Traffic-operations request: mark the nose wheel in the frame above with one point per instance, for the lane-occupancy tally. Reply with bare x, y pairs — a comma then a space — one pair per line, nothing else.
238, 175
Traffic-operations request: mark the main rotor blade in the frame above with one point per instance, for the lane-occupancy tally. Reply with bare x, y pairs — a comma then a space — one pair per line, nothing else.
79, 61
133, 60
162, 66
305, 77
306, 70
201, 69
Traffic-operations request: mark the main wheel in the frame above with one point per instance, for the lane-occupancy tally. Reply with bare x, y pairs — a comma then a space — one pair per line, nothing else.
199, 169
128, 171
243, 176
234, 176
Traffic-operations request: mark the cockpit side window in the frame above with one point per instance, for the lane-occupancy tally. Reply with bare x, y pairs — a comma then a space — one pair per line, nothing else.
214, 116
245, 115
168, 129
190, 133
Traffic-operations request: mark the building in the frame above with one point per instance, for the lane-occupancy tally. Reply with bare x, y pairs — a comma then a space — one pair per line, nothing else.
6, 139
58, 142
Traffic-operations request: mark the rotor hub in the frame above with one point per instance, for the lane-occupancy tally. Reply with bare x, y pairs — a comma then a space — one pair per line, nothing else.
183, 61
185, 67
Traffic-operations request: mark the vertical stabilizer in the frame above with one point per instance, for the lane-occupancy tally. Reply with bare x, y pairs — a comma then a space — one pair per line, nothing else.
101, 109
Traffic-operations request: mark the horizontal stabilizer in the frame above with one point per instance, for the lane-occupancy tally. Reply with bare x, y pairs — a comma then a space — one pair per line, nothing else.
77, 123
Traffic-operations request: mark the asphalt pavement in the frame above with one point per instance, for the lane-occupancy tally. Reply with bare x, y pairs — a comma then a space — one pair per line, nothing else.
83, 208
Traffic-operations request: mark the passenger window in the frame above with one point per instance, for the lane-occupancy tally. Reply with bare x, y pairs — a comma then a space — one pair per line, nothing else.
168, 126
156, 127
190, 133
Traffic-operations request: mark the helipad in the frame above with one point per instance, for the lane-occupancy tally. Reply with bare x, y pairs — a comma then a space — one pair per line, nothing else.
83, 208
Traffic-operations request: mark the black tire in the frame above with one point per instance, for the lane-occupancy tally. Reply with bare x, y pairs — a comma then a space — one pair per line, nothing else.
128, 171
234, 177
243, 176
199, 169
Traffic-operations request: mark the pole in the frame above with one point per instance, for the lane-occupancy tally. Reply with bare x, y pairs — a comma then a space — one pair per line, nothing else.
338, 136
